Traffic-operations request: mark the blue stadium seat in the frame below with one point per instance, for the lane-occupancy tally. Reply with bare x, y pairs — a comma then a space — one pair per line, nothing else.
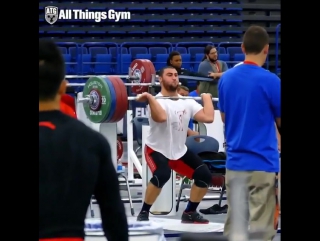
87, 64
234, 50
97, 50
113, 51
157, 50
137, 50
224, 57
186, 59
143, 56
160, 61
195, 50
63, 50
198, 59
125, 63
238, 57
73, 52
182, 50
103, 65
69, 67
222, 50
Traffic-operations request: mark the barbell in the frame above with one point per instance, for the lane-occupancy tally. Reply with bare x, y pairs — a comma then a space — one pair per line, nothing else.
142, 74
105, 99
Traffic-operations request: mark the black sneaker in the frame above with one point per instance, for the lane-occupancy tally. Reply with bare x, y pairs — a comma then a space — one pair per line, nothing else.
143, 216
193, 217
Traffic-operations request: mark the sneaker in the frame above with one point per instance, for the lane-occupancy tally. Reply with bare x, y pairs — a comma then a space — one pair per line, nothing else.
143, 216
193, 217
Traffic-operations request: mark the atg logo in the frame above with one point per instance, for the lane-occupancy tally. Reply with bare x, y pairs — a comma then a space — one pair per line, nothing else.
52, 14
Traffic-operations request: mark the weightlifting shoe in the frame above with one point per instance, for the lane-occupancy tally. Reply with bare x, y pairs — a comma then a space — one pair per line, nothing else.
143, 216
193, 217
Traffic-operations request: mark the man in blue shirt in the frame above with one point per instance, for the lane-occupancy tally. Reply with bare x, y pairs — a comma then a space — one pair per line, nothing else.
249, 102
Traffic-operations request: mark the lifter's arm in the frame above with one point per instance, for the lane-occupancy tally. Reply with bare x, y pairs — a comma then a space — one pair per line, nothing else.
206, 114
107, 193
157, 113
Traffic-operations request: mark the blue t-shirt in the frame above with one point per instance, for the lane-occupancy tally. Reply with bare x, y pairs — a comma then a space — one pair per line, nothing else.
249, 96
193, 94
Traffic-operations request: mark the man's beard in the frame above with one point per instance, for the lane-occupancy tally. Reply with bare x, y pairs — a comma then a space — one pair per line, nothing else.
169, 88
213, 60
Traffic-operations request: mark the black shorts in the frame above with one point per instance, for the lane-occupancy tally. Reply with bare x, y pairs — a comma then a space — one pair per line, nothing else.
185, 166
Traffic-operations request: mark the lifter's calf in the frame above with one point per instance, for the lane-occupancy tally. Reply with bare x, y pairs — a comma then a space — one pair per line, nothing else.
154, 187
202, 179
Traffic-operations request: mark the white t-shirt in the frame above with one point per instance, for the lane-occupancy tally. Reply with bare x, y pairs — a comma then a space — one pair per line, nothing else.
169, 137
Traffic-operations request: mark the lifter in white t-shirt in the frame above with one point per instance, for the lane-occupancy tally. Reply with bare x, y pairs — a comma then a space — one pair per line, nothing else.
165, 148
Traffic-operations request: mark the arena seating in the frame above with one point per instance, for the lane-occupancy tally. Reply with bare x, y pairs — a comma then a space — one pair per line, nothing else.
155, 29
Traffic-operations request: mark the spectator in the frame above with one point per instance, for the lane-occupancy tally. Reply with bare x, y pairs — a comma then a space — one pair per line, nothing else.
183, 90
175, 60
212, 67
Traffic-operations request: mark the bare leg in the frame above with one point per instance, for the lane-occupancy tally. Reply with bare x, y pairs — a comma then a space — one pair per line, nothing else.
152, 193
197, 193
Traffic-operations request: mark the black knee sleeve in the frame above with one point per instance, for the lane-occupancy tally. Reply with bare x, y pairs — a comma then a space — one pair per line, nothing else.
160, 177
202, 176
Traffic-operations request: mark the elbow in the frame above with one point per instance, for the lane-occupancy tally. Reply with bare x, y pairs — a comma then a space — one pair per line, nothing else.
209, 119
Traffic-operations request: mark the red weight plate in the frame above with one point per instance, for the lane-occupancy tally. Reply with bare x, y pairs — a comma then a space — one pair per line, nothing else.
122, 98
119, 148
152, 68
141, 69
118, 96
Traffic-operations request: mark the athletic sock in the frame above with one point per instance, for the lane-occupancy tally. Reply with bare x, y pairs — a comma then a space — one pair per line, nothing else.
146, 207
191, 207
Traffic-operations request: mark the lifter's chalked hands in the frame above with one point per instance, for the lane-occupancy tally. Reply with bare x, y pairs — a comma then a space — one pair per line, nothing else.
206, 95
143, 97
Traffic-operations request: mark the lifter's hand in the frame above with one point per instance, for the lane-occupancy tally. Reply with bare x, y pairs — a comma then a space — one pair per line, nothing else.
206, 95
143, 97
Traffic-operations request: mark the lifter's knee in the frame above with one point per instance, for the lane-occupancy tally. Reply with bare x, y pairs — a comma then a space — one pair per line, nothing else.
202, 176
160, 177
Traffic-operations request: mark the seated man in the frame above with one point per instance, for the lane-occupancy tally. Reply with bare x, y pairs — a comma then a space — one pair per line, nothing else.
165, 148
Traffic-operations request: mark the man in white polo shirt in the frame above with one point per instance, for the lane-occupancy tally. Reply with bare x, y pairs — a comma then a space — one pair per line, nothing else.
165, 148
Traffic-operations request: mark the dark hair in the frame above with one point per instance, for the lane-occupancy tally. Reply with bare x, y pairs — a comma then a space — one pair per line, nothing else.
51, 69
206, 51
163, 69
255, 39
198, 83
183, 87
171, 55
